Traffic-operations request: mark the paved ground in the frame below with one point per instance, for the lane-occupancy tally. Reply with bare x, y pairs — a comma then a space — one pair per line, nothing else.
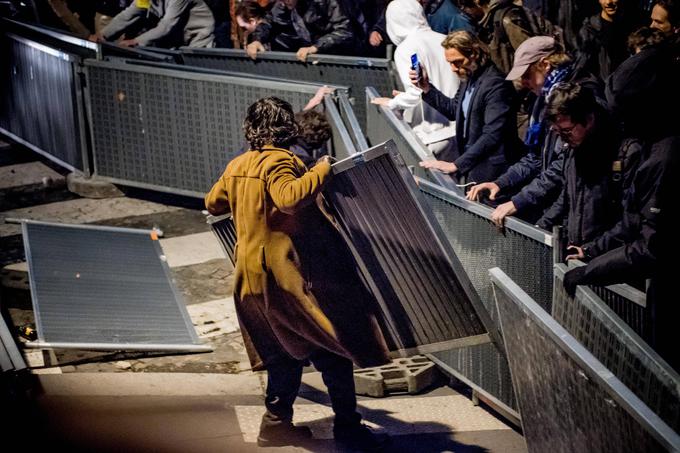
94, 401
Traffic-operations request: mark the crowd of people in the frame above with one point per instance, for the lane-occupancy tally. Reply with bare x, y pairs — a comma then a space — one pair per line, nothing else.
560, 114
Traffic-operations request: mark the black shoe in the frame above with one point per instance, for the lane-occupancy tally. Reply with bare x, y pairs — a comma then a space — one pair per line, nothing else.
360, 437
285, 434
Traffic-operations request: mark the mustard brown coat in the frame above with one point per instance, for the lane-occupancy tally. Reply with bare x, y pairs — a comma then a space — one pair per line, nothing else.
296, 287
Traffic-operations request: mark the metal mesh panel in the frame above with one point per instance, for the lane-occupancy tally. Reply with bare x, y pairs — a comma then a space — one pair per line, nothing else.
104, 288
483, 367
421, 296
383, 124
620, 349
172, 130
357, 73
568, 400
480, 247
39, 100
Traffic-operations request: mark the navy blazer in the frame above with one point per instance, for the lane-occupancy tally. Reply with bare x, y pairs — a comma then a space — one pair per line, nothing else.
489, 142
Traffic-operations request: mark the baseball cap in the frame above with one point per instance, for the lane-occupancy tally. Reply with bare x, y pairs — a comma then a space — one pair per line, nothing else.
530, 51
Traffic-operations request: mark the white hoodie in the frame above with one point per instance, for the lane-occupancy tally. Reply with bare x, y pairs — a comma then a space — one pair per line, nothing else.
408, 29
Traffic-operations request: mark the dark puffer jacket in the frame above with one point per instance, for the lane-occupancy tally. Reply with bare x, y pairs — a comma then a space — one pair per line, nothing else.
589, 203
328, 25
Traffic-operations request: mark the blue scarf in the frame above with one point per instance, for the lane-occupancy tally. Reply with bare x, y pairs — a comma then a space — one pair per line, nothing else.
536, 130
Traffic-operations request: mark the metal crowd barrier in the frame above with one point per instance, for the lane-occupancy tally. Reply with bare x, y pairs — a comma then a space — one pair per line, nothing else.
619, 348
383, 124
223, 227
343, 145
426, 300
174, 130
569, 401
524, 250
355, 72
41, 103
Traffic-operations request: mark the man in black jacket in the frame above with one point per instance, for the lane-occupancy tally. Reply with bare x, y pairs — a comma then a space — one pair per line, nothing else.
305, 27
589, 203
643, 245
486, 124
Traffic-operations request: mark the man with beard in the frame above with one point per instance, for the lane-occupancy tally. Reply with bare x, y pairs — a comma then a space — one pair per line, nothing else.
486, 123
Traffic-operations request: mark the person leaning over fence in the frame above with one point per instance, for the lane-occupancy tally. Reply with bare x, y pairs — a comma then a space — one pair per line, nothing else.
297, 292
535, 181
180, 23
305, 27
644, 245
590, 201
486, 123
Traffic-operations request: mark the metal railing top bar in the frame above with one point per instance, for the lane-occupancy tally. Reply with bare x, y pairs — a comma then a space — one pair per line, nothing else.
72, 43
221, 72
42, 47
632, 294
338, 126
236, 78
481, 210
80, 226
596, 371
109, 49
347, 112
291, 56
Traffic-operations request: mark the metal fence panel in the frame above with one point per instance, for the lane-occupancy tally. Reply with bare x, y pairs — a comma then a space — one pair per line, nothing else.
41, 100
568, 400
355, 72
225, 231
104, 288
343, 146
351, 122
523, 250
383, 124
172, 130
423, 294
619, 348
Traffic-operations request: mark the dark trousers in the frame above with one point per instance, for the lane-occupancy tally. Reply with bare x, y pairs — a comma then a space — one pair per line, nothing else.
283, 383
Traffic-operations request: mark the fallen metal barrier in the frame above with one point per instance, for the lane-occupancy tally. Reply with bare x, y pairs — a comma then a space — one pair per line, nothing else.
602, 332
569, 401
351, 122
426, 300
104, 288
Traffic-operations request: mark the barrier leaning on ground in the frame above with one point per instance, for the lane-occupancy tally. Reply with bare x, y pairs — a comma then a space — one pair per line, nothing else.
354, 72
619, 348
568, 399
175, 130
41, 97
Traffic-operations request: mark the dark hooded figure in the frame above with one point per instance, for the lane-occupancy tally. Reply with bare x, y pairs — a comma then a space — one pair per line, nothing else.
643, 245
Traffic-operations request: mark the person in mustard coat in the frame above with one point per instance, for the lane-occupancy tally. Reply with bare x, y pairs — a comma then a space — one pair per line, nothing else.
297, 292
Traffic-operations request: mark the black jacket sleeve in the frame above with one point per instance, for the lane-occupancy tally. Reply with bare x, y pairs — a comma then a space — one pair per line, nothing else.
544, 188
443, 104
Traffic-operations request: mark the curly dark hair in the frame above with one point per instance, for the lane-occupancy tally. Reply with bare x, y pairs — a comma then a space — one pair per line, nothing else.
643, 38
314, 127
270, 121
